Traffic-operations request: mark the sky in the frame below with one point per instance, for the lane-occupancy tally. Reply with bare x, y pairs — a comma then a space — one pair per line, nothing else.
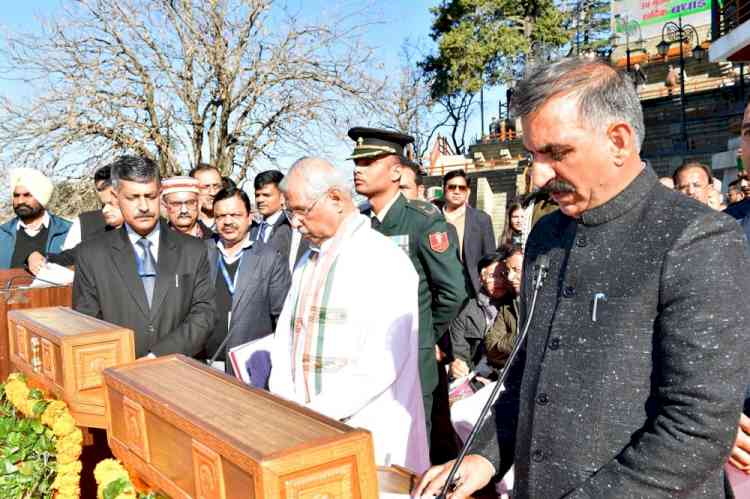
396, 20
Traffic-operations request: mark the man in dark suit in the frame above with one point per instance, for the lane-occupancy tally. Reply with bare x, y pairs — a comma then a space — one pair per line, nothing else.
474, 227
251, 278
274, 228
633, 372
145, 276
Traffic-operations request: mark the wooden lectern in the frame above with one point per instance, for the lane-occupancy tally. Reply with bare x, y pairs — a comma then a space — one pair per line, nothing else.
192, 432
64, 352
15, 295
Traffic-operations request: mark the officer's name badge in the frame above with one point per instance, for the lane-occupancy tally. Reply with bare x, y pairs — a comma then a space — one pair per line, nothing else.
402, 241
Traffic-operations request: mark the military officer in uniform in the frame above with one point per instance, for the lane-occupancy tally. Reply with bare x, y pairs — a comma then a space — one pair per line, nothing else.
421, 231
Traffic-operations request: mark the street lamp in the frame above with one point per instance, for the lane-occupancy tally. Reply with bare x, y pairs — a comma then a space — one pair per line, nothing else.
677, 32
629, 26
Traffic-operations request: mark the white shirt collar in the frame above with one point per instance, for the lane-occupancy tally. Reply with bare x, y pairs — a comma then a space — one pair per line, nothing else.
153, 236
381, 216
272, 219
457, 213
229, 259
45, 222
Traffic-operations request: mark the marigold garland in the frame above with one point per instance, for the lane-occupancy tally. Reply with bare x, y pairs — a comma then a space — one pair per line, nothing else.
109, 471
55, 415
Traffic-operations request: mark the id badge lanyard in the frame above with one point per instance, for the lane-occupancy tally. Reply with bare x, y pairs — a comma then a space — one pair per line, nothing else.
231, 283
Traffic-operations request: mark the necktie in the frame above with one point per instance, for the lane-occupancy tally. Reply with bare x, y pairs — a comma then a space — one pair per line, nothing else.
262, 231
375, 222
147, 269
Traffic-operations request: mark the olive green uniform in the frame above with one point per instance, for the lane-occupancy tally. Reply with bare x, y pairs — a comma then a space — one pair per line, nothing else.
420, 229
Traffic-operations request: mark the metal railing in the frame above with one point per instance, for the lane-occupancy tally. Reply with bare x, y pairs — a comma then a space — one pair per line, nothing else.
730, 15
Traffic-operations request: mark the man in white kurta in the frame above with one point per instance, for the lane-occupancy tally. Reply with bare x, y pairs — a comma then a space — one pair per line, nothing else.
346, 340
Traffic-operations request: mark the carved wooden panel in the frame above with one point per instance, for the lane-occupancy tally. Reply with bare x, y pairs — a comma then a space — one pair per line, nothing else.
49, 360
329, 483
209, 473
22, 342
90, 360
136, 436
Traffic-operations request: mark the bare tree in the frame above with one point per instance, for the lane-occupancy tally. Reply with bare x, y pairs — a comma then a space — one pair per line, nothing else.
229, 82
404, 104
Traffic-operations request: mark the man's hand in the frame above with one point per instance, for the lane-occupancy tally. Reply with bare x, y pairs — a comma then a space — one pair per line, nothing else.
459, 369
740, 456
439, 354
474, 473
35, 261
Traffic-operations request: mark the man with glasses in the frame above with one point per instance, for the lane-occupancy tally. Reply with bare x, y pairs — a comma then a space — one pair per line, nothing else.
346, 341
251, 280
272, 226
694, 180
421, 231
476, 237
179, 197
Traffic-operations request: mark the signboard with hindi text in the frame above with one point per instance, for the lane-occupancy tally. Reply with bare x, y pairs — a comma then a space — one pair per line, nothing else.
646, 17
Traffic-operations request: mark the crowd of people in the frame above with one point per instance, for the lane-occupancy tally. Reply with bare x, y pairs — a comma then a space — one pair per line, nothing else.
398, 315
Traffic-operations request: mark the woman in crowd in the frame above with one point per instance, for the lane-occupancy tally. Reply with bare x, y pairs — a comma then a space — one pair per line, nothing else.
513, 232
483, 333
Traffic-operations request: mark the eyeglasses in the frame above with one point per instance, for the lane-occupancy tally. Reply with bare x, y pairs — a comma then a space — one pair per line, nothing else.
296, 213
457, 187
175, 205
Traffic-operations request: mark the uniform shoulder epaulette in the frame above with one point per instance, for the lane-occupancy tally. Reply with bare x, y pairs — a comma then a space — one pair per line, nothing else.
423, 207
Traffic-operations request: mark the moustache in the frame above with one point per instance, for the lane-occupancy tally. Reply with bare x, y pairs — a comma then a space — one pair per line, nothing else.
554, 185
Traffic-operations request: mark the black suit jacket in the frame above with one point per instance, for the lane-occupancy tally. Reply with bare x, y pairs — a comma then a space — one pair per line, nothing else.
92, 224
107, 286
281, 237
642, 397
262, 285
479, 240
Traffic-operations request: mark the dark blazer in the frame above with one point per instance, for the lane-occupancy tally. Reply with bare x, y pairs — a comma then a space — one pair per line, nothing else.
479, 240
262, 285
644, 400
92, 224
107, 286
281, 237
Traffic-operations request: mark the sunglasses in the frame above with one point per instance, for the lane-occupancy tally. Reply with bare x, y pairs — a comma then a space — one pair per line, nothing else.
456, 187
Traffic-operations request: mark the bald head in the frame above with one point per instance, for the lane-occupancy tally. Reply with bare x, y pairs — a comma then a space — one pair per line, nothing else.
318, 198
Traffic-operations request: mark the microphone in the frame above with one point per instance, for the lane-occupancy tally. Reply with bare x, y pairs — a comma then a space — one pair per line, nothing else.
541, 269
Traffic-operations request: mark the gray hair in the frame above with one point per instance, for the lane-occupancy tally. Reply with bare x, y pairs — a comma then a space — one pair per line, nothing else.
604, 94
134, 169
319, 176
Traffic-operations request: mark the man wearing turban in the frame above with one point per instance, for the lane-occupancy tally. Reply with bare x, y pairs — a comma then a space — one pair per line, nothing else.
33, 228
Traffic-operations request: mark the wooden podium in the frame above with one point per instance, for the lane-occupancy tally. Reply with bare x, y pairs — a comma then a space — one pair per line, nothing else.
14, 296
64, 352
191, 432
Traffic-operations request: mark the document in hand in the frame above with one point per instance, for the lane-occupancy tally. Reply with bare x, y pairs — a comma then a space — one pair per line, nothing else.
52, 274
251, 361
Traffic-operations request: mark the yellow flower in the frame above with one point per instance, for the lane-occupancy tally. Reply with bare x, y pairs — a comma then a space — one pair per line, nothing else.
64, 425
109, 470
106, 472
69, 468
53, 411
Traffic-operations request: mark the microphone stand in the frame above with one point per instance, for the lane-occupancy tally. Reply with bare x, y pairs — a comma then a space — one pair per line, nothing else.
223, 344
449, 485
